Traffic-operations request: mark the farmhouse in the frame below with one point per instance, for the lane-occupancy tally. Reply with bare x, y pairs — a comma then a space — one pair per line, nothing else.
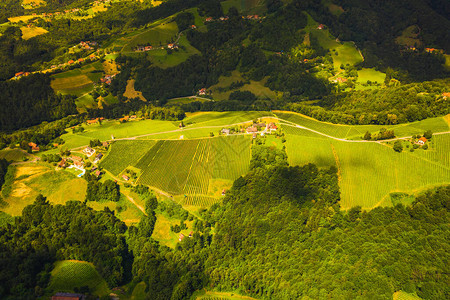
62, 163
93, 121
125, 177
193, 27
78, 165
124, 119
202, 91
70, 62
321, 26
33, 146
76, 158
272, 127
98, 157
97, 173
421, 141
209, 19
225, 131
68, 296
181, 237
251, 129
105, 144
88, 151
446, 95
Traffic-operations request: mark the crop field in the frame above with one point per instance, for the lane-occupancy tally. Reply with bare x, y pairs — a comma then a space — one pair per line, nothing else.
131, 93
370, 171
188, 166
24, 19
357, 131
31, 180
69, 274
28, 33
13, 154
125, 153
400, 295
77, 81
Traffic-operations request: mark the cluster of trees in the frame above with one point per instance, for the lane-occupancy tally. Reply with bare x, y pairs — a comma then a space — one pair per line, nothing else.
46, 233
384, 134
30, 101
389, 106
3, 170
101, 192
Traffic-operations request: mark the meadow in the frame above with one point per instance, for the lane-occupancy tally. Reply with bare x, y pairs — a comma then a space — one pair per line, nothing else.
34, 179
369, 172
30, 32
114, 128
160, 35
78, 81
201, 119
68, 274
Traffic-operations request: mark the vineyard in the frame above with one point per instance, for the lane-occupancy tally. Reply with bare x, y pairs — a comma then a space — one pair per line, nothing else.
125, 153
199, 169
357, 131
369, 172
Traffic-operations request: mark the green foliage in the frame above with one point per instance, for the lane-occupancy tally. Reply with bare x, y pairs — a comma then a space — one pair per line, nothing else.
72, 231
428, 134
398, 146
184, 20
8, 180
102, 192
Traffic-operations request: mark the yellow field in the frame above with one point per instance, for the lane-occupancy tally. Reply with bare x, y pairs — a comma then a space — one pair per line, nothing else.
110, 67
70, 83
131, 93
33, 179
37, 2
400, 295
28, 33
22, 18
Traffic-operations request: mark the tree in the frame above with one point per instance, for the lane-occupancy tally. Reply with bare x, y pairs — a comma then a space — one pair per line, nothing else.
398, 147
428, 134
368, 136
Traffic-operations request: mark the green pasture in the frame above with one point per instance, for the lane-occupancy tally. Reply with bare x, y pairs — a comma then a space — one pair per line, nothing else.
85, 101
157, 36
369, 171
401, 295
161, 58
202, 119
68, 274
357, 131
346, 54
114, 128
164, 235
180, 101
256, 87
245, 6
370, 74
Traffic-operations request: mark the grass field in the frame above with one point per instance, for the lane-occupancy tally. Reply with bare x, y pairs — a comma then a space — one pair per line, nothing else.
201, 119
400, 295
118, 130
68, 274
369, 172
164, 235
256, 87
13, 154
370, 74
210, 295
160, 57
131, 93
28, 33
24, 19
357, 131
160, 35
34, 179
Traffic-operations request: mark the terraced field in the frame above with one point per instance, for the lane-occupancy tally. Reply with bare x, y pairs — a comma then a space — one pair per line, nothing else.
369, 172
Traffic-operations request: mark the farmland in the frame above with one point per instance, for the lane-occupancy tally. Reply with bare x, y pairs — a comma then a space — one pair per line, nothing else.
13, 154
125, 153
33, 179
68, 274
357, 131
190, 167
369, 172
78, 81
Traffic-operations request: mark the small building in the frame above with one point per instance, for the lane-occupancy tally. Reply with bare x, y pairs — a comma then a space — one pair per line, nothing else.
89, 151
225, 131
105, 144
191, 234
78, 165
422, 141
202, 91
209, 19
255, 135
34, 147
224, 192
98, 157
181, 237
133, 117
75, 158
93, 121
62, 163
18, 75
31, 144
272, 127
98, 173
70, 62
68, 296
321, 26
193, 27
251, 129
124, 119
446, 95
125, 177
